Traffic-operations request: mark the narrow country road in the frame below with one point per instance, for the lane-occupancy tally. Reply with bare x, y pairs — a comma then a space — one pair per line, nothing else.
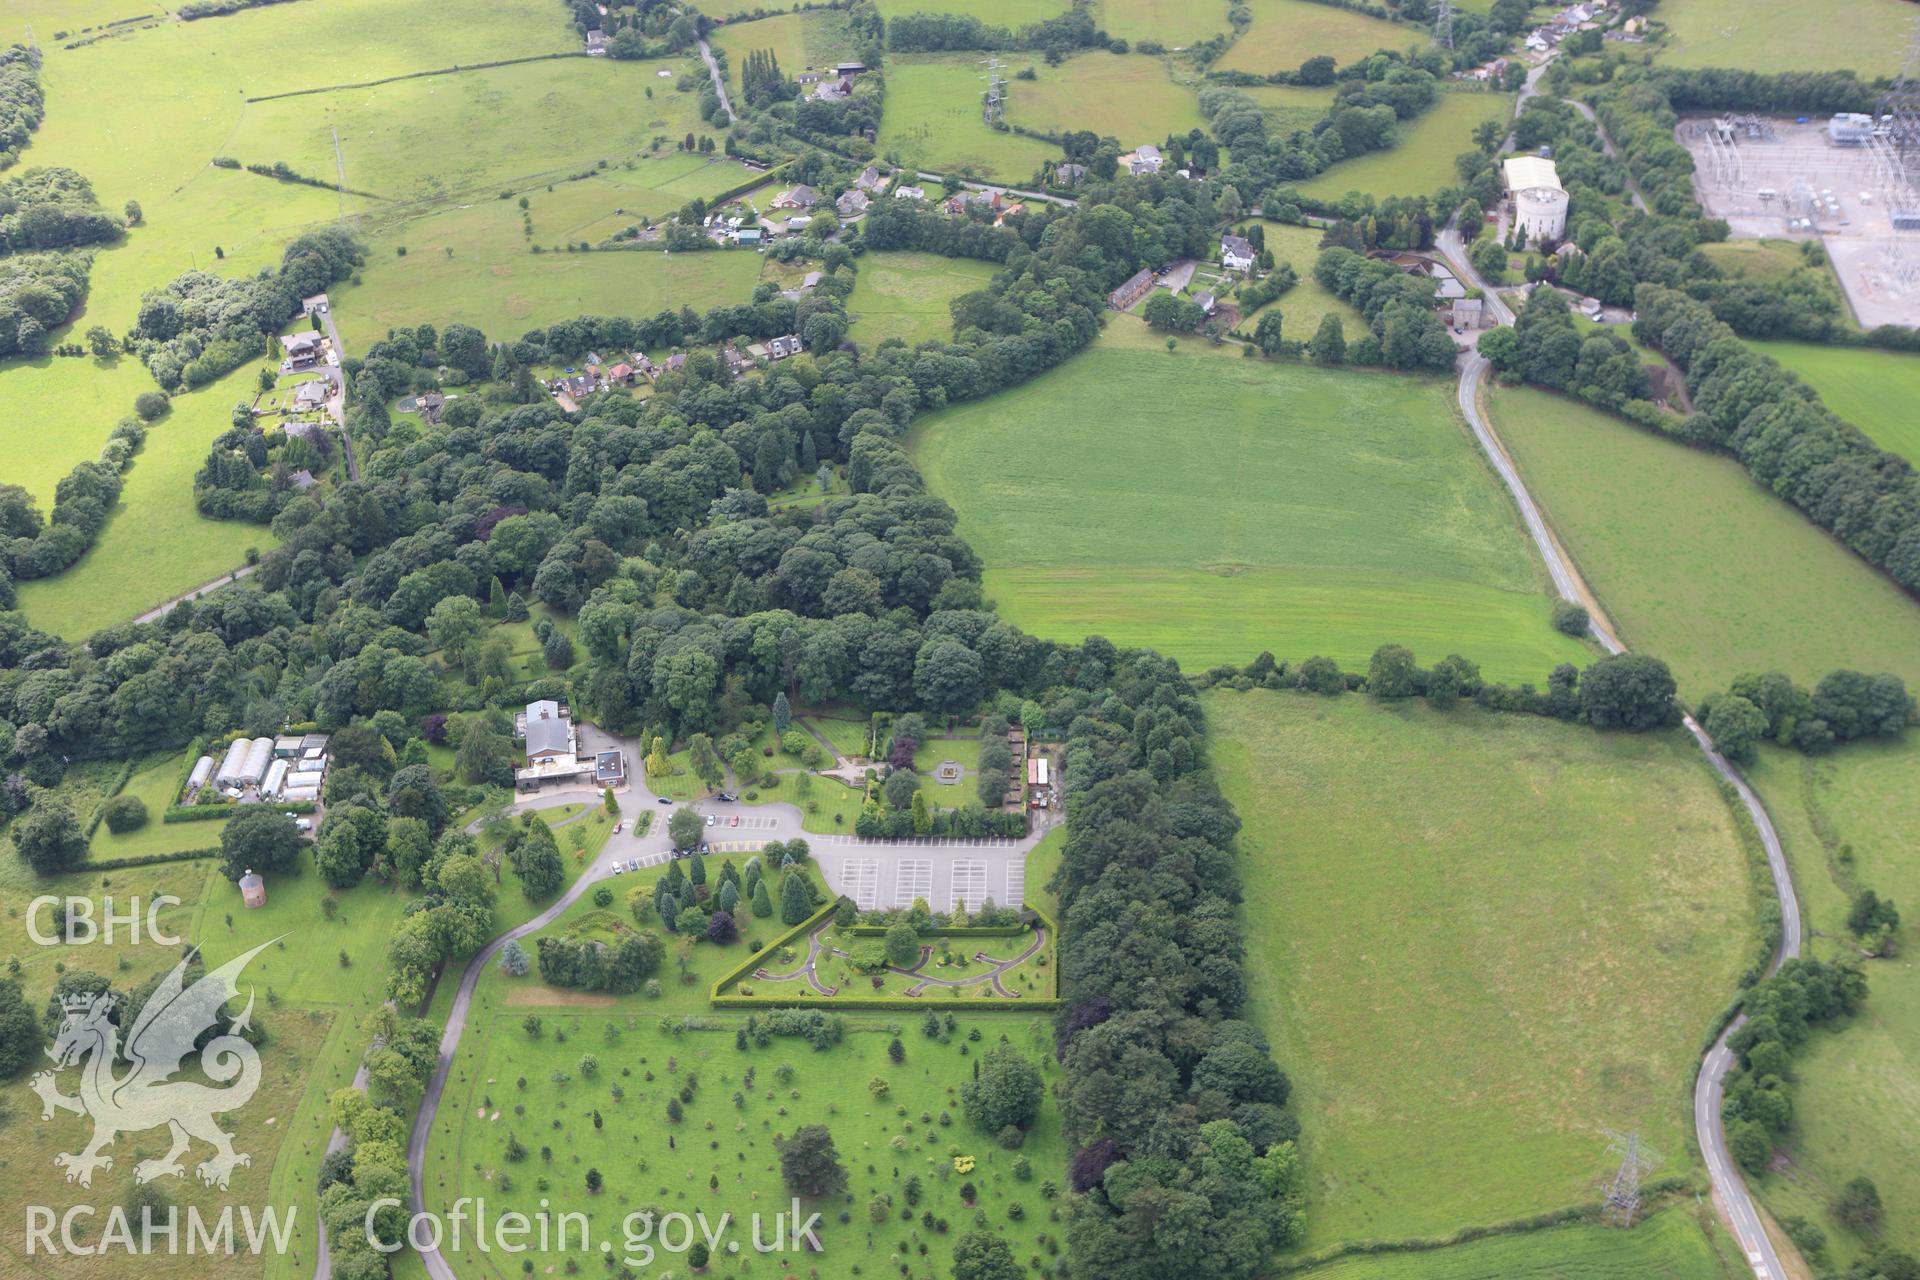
1729, 1188
1064, 202
719, 81
650, 849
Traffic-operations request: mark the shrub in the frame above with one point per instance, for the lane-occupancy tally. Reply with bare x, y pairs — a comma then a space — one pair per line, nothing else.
151, 405
1570, 618
124, 814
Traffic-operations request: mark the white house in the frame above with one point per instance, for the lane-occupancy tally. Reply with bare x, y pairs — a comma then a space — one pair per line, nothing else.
1236, 254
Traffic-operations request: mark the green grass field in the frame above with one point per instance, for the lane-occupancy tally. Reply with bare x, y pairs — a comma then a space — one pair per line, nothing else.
1289, 107
1476, 942
999, 13
1354, 512
906, 295
1422, 162
1779, 35
1851, 821
1174, 23
1874, 390
932, 121
1285, 33
1694, 562
417, 140
473, 265
1667, 1246
1131, 98
156, 544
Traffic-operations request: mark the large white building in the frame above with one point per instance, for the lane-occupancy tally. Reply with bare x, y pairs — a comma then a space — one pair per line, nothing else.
1539, 201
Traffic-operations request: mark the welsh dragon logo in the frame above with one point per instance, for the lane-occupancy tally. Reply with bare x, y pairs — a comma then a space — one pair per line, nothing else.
163, 1036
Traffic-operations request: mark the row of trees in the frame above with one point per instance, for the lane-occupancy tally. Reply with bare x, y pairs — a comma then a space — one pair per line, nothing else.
1844, 706
1169, 1100
1774, 423
1406, 333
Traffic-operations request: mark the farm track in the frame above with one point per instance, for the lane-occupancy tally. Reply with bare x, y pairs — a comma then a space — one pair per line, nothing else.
1729, 1188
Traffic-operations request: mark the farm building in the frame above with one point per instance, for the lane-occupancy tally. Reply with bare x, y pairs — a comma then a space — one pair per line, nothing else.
202, 771
276, 779
1136, 288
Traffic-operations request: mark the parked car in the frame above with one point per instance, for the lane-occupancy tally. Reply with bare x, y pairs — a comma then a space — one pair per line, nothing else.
726, 795
736, 820
617, 827
711, 819
665, 800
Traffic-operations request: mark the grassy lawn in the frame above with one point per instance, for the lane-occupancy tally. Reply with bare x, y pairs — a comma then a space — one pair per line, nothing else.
155, 545
156, 783
905, 295
1130, 97
1289, 107
1779, 35
1422, 163
1696, 563
1672, 1245
799, 40
1308, 302
1285, 33
1042, 861
1851, 821
932, 121
1874, 390
1174, 23
1356, 512
849, 737
1476, 942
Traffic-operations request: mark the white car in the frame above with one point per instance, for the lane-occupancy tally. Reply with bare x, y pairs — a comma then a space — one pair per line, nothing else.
710, 819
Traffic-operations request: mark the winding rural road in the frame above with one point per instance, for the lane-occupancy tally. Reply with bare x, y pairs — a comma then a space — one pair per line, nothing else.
648, 849
1729, 1188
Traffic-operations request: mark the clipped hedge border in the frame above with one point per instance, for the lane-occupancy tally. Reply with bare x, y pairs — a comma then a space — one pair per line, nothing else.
945, 931
756, 958
100, 810
884, 1004
888, 1004
148, 860
216, 812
